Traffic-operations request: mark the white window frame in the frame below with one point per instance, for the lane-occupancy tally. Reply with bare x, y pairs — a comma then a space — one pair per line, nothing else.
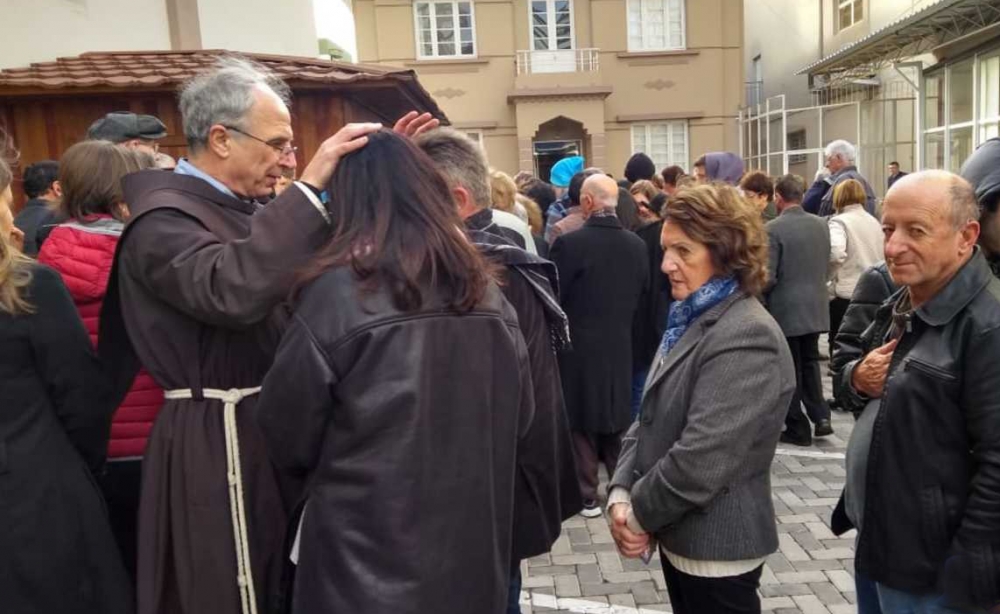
458, 35
684, 162
551, 25
840, 4
476, 136
677, 45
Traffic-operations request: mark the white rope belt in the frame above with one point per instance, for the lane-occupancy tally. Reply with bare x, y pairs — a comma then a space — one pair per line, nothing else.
237, 506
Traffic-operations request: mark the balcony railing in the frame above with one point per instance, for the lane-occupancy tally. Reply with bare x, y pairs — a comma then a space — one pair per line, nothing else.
561, 60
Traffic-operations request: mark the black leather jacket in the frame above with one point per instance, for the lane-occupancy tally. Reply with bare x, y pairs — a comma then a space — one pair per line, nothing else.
932, 504
874, 287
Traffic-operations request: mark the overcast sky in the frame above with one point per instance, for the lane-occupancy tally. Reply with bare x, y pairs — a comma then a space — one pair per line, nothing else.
335, 22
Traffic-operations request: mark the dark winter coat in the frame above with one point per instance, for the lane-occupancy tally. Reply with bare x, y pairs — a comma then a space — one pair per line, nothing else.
58, 551
798, 257
850, 172
941, 400
35, 214
546, 491
652, 322
406, 424
604, 275
874, 287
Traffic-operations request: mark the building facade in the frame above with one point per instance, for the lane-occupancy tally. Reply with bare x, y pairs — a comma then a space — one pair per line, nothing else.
536, 80
911, 81
42, 30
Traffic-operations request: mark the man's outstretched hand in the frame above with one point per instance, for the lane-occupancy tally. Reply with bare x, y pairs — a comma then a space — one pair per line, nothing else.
413, 123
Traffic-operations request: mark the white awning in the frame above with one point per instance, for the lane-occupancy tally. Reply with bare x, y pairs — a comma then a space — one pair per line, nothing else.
911, 35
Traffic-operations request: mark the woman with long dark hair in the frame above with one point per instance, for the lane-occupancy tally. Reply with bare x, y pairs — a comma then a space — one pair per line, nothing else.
399, 390
58, 551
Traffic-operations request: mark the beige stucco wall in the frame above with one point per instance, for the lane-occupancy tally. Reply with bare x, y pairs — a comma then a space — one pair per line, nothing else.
43, 30
703, 85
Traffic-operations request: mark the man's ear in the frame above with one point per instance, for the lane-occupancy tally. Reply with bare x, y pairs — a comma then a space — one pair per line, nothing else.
969, 237
56, 189
463, 200
219, 142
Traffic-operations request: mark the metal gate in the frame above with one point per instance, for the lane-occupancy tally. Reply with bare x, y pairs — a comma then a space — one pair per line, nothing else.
778, 140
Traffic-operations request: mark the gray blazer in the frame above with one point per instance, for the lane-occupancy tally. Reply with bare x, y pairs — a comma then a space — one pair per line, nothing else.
798, 261
698, 460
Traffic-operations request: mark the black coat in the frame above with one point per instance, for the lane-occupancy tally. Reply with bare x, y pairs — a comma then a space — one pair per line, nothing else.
874, 287
407, 425
798, 257
546, 491
653, 319
931, 520
58, 551
603, 276
35, 214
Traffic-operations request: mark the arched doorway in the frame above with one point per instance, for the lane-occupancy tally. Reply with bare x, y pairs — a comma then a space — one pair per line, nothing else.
556, 139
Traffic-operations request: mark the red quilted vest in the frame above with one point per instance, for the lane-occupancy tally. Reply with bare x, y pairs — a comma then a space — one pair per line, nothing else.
83, 253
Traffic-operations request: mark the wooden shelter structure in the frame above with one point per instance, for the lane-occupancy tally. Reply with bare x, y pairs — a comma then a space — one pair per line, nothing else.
48, 106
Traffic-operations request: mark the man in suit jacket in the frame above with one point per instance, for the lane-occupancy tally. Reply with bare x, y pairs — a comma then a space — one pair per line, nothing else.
894, 173
604, 274
797, 298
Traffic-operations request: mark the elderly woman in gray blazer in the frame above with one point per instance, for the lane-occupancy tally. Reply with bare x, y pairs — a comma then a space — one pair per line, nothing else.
693, 478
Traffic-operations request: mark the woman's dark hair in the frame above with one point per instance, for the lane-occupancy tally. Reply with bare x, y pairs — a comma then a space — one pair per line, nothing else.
628, 210
91, 173
542, 193
656, 205
395, 223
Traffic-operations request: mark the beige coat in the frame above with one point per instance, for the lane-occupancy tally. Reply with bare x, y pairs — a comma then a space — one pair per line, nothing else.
856, 244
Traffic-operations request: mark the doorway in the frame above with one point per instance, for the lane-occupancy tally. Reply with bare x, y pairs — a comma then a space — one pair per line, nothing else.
547, 153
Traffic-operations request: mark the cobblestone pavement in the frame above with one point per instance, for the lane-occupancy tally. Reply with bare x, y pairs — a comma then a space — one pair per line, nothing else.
812, 572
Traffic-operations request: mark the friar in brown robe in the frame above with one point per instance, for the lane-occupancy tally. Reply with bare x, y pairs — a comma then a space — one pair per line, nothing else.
195, 295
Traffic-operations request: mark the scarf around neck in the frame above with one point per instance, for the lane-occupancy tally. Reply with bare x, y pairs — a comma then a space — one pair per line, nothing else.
683, 313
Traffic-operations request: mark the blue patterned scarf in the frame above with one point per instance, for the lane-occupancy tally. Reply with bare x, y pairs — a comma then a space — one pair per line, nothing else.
683, 313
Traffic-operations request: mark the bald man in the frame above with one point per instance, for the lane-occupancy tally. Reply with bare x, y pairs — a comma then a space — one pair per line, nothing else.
923, 463
604, 275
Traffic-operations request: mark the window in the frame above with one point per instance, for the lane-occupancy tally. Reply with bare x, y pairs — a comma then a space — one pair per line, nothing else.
961, 110
666, 143
445, 29
849, 12
475, 136
551, 25
655, 25
796, 142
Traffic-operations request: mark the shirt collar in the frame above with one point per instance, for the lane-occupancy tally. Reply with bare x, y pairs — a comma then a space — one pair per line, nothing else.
186, 168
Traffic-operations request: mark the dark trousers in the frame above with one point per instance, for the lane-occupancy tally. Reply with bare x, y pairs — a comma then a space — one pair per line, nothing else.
838, 307
514, 591
694, 595
120, 485
592, 449
808, 388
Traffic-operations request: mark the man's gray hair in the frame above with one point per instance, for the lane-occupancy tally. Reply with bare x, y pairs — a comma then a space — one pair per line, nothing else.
224, 95
843, 149
964, 207
461, 161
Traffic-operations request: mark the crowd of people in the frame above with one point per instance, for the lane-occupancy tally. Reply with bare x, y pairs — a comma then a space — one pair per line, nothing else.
379, 382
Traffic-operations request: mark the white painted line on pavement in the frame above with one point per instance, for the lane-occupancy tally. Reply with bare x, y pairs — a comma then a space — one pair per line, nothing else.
810, 454
581, 606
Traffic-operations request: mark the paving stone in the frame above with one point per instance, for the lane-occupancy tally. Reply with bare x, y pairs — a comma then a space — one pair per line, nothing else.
606, 588
795, 577
645, 592
609, 562
567, 586
810, 604
773, 603
827, 593
785, 590
540, 560
537, 581
820, 531
595, 548
818, 565
589, 574
832, 553
628, 576
578, 536
798, 519
553, 570
624, 600
573, 559
778, 563
842, 580
789, 548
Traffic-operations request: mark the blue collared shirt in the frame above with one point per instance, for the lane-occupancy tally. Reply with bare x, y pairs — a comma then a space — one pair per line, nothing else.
186, 168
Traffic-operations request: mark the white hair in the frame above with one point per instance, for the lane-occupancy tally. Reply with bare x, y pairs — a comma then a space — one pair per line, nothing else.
224, 95
843, 149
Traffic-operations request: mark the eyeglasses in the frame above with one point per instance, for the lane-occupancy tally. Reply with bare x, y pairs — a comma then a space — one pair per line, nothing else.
283, 150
